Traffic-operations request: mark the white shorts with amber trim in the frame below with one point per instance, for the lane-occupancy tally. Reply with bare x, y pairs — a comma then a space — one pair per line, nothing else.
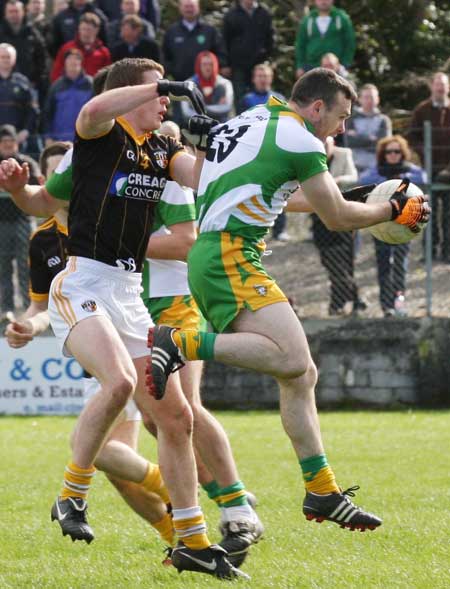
86, 288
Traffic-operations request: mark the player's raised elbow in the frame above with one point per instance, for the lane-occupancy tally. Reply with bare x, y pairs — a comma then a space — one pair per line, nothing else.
87, 114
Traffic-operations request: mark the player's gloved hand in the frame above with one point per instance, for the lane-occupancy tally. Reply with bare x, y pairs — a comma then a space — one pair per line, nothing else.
182, 91
409, 210
358, 193
198, 129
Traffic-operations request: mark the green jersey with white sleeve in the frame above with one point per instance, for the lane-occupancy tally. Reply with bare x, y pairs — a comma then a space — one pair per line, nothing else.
59, 185
164, 278
253, 164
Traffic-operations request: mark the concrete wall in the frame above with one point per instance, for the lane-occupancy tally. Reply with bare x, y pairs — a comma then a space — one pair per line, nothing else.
380, 362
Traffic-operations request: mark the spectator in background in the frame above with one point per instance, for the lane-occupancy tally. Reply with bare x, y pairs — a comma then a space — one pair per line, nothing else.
436, 109
393, 155
18, 103
65, 23
337, 248
65, 98
132, 41
217, 91
331, 61
262, 79
128, 8
366, 127
59, 6
36, 17
148, 10
29, 44
151, 11
15, 228
249, 39
325, 29
95, 54
185, 39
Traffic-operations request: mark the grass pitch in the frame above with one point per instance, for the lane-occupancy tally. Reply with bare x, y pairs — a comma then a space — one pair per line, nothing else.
401, 461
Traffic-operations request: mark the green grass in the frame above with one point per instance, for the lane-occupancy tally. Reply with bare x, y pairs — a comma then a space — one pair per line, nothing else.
401, 460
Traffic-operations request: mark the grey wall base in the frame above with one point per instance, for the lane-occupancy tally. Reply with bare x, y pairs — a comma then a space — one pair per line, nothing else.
373, 363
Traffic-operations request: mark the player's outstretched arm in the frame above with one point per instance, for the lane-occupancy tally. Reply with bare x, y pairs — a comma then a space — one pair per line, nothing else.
298, 203
31, 199
173, 246
34, 321
338, 214
97, 116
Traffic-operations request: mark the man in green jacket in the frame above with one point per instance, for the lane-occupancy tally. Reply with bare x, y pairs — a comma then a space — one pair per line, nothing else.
325, 29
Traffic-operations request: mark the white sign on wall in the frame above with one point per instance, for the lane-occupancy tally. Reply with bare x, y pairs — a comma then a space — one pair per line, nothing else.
39, 380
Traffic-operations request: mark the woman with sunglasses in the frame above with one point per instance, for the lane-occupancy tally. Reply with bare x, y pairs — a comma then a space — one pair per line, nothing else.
393, 155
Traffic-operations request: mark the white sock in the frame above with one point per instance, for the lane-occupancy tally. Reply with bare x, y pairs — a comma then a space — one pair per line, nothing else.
238, 513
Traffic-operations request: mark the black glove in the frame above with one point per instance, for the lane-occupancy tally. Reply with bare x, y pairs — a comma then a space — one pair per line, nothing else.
409, 210
399, 199
182, 91
198, 129
359, 193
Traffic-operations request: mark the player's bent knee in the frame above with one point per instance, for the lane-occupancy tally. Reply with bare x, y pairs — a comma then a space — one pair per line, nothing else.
305, 371
177, 423
292, 368
198, 410
121, 390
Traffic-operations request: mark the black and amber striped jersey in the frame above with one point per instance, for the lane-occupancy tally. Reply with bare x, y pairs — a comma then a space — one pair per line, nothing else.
47, 256
118, 179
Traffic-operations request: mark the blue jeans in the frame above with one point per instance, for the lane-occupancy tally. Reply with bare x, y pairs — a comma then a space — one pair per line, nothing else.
392, 265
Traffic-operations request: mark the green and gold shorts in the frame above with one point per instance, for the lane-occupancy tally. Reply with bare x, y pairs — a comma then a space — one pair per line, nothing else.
226, 275
179, 311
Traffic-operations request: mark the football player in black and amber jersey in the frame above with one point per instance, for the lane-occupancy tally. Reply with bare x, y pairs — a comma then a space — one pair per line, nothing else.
137, 480
119, 172
47, 257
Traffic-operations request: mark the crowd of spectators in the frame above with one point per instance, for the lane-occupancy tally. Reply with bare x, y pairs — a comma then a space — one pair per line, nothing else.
50, 50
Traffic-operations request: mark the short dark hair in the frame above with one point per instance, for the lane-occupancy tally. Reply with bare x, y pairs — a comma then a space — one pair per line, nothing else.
321, 84
57, 148
128, 72
98, 82
75, 52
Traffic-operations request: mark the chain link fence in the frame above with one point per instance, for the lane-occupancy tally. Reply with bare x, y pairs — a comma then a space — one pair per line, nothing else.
326, 274
15, 231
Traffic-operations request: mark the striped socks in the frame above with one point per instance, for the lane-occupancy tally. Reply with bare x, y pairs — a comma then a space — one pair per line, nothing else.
76, 481
190, 527
318, 476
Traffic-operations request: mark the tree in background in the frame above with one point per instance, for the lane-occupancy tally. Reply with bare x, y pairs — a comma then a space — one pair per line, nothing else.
399, 42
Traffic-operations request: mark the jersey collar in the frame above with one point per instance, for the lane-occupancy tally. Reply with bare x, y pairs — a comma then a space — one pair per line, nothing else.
61, 228
129, 129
